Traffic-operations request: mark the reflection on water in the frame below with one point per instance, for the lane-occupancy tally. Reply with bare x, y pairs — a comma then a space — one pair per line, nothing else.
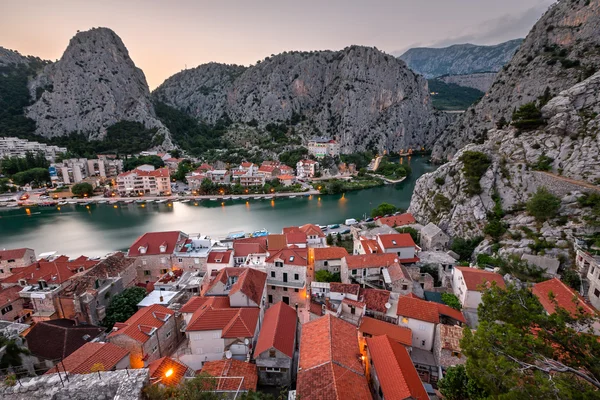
97, 229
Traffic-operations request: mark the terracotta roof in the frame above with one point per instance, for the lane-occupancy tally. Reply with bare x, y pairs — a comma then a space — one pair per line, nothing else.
375, 260
246, 164
276, 242
158, 370
450, 336
232, 368
295, 237
261, 240
285, 177
375, 327
290, 257
329, 366
398, 220
475, 278
316, 308
204, 167
308, 162
12, 254
82, 361
278, 330
9, 295
413, 307
353, 303
350, 288
312, 230
267, 169
397, 375
54, 272
141, 324
330, 253
250, 282
245, 249
59, 338
555, 291
232, 322
396, 240
219, 257
196, 302
370, 245
398, 271
375, 299
152, 241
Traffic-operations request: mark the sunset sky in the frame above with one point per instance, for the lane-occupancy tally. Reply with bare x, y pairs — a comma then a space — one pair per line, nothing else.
165, 37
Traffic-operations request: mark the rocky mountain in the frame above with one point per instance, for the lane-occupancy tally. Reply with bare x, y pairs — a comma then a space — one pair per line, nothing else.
94, 85
481, 81
11, 57
459, 59
563, 48
359, 95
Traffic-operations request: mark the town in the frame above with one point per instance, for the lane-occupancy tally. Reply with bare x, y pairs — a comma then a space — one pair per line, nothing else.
377, 312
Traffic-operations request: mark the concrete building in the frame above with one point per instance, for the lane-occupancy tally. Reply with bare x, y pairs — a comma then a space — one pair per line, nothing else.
11, 305
252, 180
276, 346
15, 147
219, 259
13, 259
328, 258
219, 176
468, 283
446, 347
366, 267
287, 276
321, 147
157, 253
401, 244
269, 172
433, 238
592, 266
139, 181
306, 168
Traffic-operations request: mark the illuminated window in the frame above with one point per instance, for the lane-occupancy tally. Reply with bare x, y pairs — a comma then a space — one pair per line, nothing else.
404, 320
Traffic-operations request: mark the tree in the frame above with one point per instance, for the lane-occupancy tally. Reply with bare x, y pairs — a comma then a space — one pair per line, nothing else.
412, 231
175, 153
123, 306
329, 239
527, 117
465, 247
31, 176
326, 276
451, 300
520, 351
475, 164
456, 385
82, 189
543, 205
383, 209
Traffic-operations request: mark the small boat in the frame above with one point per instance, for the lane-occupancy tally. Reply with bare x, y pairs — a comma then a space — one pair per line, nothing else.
149, 201
236, 235
226, 198
213, 199
323, 227
161, 201
185, 201
128, 201
262, 232
258, 198
71, 202
12, 206
62, 203
269, 198
140, 201
102, 202
293, 196
235, 198
245, 197
85, 203
112, 202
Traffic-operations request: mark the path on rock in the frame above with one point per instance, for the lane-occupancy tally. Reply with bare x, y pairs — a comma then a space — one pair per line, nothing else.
584, 184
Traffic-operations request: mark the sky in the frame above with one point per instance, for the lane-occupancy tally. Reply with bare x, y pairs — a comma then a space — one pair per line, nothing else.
164, 37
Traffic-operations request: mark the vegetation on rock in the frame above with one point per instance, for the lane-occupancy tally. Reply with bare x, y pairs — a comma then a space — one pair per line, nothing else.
543, 205
475, 164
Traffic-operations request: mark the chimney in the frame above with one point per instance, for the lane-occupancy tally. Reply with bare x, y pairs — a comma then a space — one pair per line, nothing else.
161, 299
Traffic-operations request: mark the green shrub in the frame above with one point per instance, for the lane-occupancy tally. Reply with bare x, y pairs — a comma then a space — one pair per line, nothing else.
475, 164
527, 117
543, 205
544, 163
440, 180
451, 300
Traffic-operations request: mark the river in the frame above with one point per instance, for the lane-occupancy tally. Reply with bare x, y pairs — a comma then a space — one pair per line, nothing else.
75, 230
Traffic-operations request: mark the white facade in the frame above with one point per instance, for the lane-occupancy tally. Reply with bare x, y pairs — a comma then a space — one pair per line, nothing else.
423, 332
306, 168
140, 181
321, 147
15, 147
468, 298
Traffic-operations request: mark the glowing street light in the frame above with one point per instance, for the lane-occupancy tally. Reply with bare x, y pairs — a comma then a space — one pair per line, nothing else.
169, 372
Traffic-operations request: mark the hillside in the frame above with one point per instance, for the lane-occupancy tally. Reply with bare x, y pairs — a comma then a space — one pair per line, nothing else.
452, 97
481, 81
459, 59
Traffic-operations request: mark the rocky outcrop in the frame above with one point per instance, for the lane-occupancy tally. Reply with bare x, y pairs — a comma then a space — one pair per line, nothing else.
460, 59
8, 57
359, 95
480, 81
563, 48
94, 85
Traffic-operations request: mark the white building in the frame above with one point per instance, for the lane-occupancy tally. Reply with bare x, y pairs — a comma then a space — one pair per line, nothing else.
468, 283
140, 181
401, 244
321, 147
306, 168
15, 147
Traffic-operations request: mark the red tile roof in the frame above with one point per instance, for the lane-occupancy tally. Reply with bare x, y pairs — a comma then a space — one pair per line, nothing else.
476, 278
250, 282
12, 254
278, 330
196, 302
285, 177
397, 375
54, 272
398, 271
375, 327
295, 237
330, 253
9, 295
375, 260
232, 368
308, 162
312, 230
139, 325
267, 169
246, 164
375, 299
350, 288
396, 240
353, 303
329, 366
204, 167
276, 242
158, 370
245, 249
290, 257
152, 241
316, 308
398, 220
219, 257
90, 356
370, 245
554, 293
428, 311
232, 322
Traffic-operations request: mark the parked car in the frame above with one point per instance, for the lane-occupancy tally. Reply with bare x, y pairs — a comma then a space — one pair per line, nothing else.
333, 226
369, 219
345, 231
350, 222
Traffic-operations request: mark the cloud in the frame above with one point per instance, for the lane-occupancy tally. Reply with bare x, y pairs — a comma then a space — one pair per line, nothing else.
493, 31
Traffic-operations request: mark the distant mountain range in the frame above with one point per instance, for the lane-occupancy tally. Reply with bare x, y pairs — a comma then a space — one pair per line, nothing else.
460, 59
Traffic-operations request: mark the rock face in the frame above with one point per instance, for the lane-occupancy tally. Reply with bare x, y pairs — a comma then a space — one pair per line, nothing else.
8, 57
563, 48
480, 81
359, 95
460, 59
94, 85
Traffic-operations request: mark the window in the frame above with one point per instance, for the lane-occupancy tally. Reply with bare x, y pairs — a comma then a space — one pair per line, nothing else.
272, 353
272, 274
404, 320
596, 292
180, 260
404, 287
1, 271
146, 272
456, 354
196, 261
270, 298
216, 335
422, 327
285, 289
168, 334
273, 288
164, 271
422, 343
154, 349
326, 263
7, 309
163, 260
296, 277
296, 290
353, 272
278, 264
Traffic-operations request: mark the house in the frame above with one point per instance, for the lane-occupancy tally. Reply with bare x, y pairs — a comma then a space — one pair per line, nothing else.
93, 357
548, 264
366, 267
155, 254
401, 244
87, 295
11, 305
371, 327
12, 260
380, 304
590, 267
392, 373
250, 251
252, 180
247, 166
395, 221
169, 372
339, 291
314, 235
446, 346
306, 168
269, 172
186, 283
320, 147
421, 317
328, 258
142, 181
217, 260
287, 276
191, 253
219, 176
149, 334
330, 365
294, 237
59, 338
245, 287
397, 279
286, 180
468, 283
276, 345
554, 293
433, 238
232, 376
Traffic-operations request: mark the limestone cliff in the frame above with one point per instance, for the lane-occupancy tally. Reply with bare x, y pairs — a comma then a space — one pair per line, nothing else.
481, 81
8, 57
359, 95
94, 85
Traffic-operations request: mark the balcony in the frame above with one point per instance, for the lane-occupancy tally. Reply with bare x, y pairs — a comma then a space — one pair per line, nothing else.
295, 285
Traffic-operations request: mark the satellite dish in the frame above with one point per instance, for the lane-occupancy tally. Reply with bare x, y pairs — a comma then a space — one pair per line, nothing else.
246, 342
228, 354
388, 306
395, 260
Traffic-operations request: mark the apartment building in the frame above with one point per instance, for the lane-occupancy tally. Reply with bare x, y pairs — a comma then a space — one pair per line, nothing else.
138, 182
287, 276
12, 260
15, 147
321, 147
306, 168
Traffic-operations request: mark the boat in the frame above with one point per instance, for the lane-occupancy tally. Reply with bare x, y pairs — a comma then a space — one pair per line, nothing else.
245, 197
236, 235
235, 198
85, 203
140, 201
213, 199
269, 198
185, 201
62, 203
293, 196
128, 201
150, 201
71, 202
258, 198
323, 227
161, 201
226, 198
262, 232
102, 202
112, 202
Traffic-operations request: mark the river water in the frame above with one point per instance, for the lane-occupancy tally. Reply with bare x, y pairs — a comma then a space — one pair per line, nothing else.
75, 230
